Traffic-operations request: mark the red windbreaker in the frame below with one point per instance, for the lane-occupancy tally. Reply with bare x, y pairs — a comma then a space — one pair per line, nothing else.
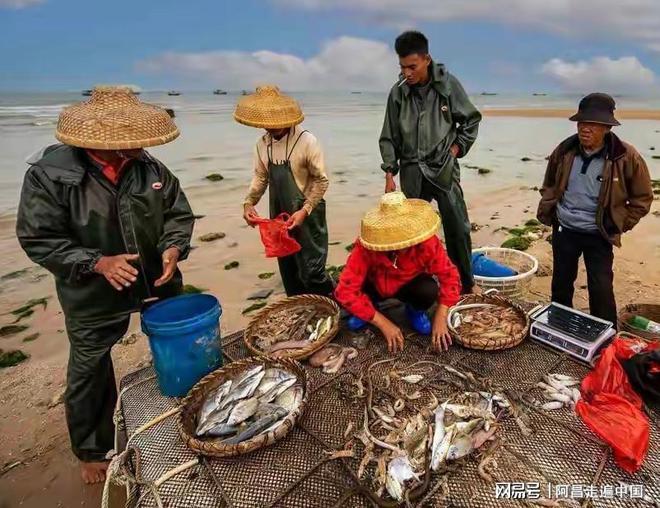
428, 257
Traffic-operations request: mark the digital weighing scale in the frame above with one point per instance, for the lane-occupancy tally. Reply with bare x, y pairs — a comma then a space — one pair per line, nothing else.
569, 330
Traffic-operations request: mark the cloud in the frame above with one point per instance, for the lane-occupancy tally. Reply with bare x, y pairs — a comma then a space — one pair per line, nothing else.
343, 63
19, 4
636, 20
602, 73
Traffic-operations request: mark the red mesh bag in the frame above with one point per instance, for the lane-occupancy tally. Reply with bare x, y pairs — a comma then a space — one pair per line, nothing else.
276, 238
612, 409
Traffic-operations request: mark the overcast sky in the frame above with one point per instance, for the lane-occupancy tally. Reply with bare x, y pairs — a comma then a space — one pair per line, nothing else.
491, 45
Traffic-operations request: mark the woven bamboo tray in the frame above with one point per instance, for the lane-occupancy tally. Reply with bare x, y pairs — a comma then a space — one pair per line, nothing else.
490, 343
213, 447
648, 310
321, 302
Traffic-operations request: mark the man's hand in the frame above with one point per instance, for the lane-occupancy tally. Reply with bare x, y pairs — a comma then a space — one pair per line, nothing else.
390, 184
455, 150
250, 215
440, 337
117, 270
296, 220
392, 333
170, 260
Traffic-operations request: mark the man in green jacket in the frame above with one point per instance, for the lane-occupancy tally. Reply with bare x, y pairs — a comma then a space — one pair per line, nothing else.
110, 222
429, 124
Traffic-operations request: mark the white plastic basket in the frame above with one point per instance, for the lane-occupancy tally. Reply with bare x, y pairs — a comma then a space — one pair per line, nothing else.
514, 286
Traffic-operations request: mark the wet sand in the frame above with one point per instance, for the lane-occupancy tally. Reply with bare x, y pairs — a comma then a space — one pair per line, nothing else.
35, 435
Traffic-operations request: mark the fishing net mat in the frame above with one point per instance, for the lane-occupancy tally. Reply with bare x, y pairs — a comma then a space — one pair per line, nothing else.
298, 471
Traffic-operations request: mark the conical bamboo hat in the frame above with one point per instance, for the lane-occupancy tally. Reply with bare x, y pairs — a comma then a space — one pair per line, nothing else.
115, 119
268, 108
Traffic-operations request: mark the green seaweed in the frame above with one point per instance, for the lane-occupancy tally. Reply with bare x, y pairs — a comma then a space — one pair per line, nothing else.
533, 223
517, 243
14, 275
484, 171
334, 243
214, 177
265, 275
525, 159
211, 237
23, 315
655, 156
232, 265
9, 330
517, 231
32, 337
29, 304
11, 358
189, 289
253, 307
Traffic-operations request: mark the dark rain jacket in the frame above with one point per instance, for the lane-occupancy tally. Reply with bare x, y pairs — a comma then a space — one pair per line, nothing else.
70, 215
418, 145
625, 196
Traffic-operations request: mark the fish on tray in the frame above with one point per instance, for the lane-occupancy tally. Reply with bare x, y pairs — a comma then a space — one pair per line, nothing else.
289, 330
255, 402
487, 321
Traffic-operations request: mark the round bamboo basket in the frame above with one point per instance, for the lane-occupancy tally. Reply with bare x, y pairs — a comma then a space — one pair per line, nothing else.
514, 286
326, 305
648, 310
490, 344
214, 447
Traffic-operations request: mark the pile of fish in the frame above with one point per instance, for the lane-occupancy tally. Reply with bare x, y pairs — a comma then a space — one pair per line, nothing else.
486, 321
436, 435
290, 329
253, 403
560, 391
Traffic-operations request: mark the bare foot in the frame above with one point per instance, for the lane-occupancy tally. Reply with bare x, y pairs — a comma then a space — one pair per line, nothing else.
93, 472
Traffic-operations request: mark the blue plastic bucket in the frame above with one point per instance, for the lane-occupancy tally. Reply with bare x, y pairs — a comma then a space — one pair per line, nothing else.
483, 266
184, 335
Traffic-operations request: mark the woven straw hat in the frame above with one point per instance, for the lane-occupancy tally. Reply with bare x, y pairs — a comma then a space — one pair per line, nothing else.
114, 119
268, 108
398, 223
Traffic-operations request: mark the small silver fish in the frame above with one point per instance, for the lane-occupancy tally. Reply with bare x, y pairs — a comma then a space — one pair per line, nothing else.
221, 430
438, 436
245, 386
242, 411
272, 378
257, 427
290, 398
217, 417
399, 471
271, 394
213, 400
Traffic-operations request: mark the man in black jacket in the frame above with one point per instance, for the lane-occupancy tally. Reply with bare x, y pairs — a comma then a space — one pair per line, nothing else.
111, 223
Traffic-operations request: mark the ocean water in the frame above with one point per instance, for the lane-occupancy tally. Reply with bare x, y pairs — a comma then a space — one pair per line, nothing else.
347, 124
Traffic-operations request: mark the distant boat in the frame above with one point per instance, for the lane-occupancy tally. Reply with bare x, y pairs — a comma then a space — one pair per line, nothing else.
244, 92
539, 94
488, 93
87, 93
173, 93
356, 93
219, 92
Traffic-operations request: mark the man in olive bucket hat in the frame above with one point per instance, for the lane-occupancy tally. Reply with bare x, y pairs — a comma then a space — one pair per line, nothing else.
596, 187
110, 222
288, 161
399, 255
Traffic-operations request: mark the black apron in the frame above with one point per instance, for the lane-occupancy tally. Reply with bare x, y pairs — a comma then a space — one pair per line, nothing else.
303, 272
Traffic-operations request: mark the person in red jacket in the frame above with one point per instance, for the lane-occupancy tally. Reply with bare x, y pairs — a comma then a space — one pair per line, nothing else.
398, 255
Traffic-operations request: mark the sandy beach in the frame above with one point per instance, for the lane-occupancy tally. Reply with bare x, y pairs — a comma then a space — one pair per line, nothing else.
35, 454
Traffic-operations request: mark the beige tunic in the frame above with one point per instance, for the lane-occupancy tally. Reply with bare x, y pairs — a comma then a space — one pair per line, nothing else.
307, 166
